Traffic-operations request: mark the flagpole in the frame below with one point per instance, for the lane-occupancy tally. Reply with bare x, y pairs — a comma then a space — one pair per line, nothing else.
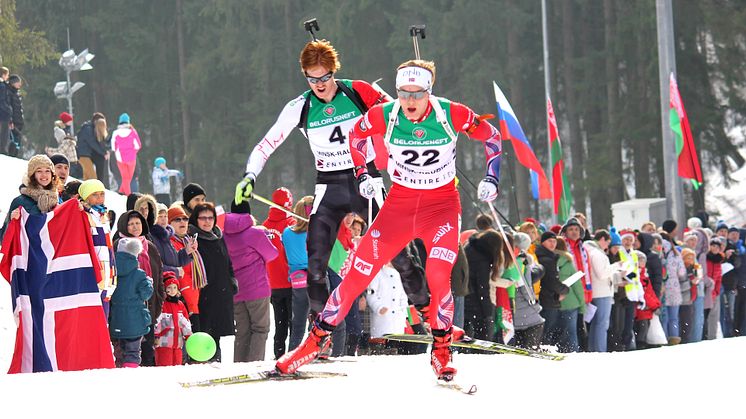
547, 89
666, 67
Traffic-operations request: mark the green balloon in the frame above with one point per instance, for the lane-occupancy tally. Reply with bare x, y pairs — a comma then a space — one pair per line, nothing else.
201, 346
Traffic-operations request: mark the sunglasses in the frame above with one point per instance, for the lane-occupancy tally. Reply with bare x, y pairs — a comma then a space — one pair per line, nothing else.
206, 218
323, 79
403, 94
180, 220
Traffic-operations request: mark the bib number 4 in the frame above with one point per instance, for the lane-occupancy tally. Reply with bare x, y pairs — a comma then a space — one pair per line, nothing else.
416, 159
337, 135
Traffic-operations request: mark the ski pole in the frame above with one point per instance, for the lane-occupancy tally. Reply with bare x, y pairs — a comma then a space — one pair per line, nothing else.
279, 207
495, 210
310, 25
505, 236
415, 30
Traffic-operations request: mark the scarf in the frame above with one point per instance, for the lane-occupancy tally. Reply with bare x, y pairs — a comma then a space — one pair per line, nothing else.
581, 264
143, 259
199, 277
45, 199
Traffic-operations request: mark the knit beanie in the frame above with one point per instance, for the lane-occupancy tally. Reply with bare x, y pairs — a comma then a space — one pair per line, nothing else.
65, 117
160, 207
89, 187
555, 228
616, 239
170, 278
693, 223
522, 241
548, 235
572, 221
733, 229
176, 212
159, 161
59, 158
124, 118
242, 208
130, 245
669, 226
190, 191
282, 196
37, 162
721, 226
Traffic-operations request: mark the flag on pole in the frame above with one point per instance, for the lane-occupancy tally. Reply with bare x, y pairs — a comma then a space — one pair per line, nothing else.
685, 152
561, 194
511, 129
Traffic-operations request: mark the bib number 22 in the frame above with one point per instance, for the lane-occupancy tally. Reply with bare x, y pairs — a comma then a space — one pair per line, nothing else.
430, 157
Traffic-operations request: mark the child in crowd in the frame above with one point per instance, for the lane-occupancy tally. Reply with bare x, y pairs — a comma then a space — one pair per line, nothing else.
688, 292
161, 180
92, 194
388, 305
172, 327
645, 309
130, 318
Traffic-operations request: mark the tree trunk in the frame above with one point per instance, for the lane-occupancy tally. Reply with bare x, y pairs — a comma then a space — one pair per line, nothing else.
185, 117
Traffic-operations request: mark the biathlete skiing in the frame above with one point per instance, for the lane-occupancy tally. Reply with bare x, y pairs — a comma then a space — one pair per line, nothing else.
325, 114
419, 132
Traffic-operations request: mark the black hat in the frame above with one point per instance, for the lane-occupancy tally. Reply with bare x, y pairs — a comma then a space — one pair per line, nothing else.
59, 158
548, 235
669, 226
242, 208
572, 221
72, 187
190, 191
732, 229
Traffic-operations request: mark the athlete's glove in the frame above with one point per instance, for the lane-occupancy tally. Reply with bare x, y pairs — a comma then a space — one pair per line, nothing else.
365, 186
244, 188
488, 189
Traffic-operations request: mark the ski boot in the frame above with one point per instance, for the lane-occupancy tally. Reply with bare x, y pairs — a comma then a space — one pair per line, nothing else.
440, 356
307, 351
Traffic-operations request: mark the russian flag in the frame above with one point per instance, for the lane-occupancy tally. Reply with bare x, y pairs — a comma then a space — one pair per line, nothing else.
511, 129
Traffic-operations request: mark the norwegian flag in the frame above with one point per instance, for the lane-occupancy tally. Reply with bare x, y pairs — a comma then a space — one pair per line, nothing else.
49, 261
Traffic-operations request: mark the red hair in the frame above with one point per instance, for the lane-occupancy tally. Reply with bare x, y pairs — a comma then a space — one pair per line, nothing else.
320, 52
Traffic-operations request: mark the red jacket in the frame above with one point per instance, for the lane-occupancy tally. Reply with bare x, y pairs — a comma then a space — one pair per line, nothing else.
715, 271
652, 302
172, 325
277, 269
186, 287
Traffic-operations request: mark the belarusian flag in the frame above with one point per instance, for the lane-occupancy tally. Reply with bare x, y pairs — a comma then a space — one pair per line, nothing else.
504, 305
685, 151
562, 196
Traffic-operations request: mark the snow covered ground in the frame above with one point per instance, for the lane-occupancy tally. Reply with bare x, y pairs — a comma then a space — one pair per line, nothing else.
695, 380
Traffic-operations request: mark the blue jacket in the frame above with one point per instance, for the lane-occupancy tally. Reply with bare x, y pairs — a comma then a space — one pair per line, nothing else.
295, 249
130, 317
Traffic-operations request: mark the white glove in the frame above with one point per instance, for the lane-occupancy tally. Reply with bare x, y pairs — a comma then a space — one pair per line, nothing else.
488, 189
366, 186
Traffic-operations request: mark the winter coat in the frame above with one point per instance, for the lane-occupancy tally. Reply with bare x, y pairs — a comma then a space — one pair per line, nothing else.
741, 268
688, 286
714, 278
675, 275
171, 258
172, 326
386, 290
216, 298
654, 266
730, 279
16, 103
126, 143
129, 315
527, 308
88, 144
602, 273
582, 263
29, 200
460, 274
551, 287
161, 181
249, 249
479, 256
277, 269
151, 257
652, 302
6, 111
186, 284
67, 148
701, 249
576, 297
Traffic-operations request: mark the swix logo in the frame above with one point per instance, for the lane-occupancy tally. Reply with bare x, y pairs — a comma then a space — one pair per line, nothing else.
362, 266
419, 133
443, 254
375, 233
442, 230
329, 110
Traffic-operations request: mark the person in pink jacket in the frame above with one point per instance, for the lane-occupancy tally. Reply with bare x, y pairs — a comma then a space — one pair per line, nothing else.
249, 249
126, 144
